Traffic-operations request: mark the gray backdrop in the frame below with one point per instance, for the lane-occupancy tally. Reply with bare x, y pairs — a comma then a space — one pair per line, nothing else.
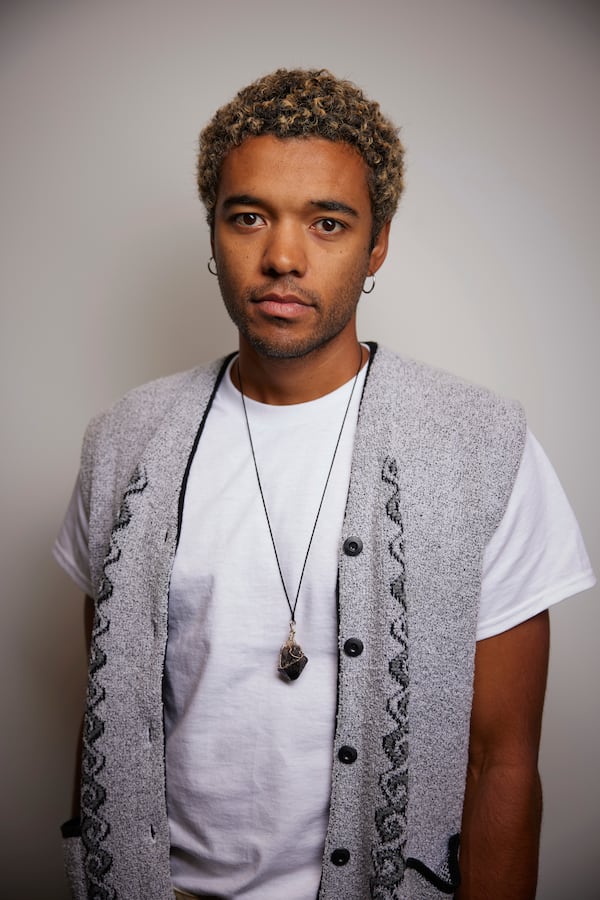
493, 273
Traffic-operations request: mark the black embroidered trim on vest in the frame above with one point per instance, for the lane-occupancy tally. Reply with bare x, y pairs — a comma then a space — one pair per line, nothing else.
390, 819
94, 827
447, 880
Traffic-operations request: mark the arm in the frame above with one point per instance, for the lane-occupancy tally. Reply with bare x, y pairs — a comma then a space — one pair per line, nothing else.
503, 800
88, 624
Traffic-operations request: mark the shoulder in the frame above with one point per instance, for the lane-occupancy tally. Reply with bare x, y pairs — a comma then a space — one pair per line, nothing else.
452, 429
442, 402
421, 383
149, 402
158, 396
125, 428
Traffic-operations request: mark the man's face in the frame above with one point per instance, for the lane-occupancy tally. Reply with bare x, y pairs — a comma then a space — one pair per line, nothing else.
291, 240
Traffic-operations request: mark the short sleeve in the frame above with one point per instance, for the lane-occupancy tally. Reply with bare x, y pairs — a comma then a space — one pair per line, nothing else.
71, 546
536, 557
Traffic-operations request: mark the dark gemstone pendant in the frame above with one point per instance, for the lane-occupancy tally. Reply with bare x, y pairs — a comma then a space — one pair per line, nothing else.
291, 660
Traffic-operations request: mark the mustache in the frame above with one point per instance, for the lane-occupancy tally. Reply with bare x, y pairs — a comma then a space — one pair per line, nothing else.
282, 286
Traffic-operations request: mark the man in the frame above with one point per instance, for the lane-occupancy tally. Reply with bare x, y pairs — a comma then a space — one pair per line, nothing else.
320, 572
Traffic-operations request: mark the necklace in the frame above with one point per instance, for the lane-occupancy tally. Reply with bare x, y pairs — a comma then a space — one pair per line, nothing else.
292, 660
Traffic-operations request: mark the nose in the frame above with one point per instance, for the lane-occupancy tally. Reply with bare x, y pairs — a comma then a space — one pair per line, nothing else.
284, 252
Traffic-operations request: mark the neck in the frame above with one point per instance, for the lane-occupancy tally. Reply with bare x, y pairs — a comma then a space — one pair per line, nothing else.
283, 382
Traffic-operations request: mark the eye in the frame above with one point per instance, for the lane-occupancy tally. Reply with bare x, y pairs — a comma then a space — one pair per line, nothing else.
248, 219
329, 226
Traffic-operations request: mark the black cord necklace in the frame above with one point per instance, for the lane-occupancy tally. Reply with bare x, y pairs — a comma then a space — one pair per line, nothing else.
291, 658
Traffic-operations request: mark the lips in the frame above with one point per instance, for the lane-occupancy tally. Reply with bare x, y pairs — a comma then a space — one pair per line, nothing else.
283, 306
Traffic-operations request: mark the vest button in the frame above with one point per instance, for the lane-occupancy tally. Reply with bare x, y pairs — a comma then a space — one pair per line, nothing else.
340, 856
353, 546
347, 754
353, 647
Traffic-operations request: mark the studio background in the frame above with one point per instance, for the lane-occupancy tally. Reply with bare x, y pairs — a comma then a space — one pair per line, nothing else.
493, 273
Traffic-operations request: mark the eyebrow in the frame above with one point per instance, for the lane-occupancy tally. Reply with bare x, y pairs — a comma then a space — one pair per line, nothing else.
334, 206
241, 200
325, 205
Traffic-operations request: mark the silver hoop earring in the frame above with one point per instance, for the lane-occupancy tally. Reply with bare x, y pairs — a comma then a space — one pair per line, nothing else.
372, 288
208, 266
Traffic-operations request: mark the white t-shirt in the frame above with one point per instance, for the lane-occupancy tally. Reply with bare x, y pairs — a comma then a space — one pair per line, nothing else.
248, 755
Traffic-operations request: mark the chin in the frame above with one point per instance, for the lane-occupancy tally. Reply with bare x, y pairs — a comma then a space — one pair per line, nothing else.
283, 344
274, 349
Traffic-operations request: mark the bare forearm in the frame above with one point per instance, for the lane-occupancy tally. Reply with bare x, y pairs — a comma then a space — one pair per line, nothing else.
500, 834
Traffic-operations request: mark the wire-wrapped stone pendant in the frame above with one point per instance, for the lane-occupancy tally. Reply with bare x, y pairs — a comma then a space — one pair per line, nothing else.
291, 658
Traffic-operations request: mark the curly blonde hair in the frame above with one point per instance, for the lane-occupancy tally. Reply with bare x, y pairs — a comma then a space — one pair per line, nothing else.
306, 103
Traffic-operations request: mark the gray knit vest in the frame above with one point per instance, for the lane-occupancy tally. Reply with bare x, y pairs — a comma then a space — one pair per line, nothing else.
433, 466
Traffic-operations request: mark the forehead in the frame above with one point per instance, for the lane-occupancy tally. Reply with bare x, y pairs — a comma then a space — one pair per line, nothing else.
306, 169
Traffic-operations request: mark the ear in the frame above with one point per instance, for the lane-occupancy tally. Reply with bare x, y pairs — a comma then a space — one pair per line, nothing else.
380, 249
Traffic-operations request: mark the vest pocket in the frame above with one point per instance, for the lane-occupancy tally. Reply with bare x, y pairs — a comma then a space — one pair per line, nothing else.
447, 878
73, 858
